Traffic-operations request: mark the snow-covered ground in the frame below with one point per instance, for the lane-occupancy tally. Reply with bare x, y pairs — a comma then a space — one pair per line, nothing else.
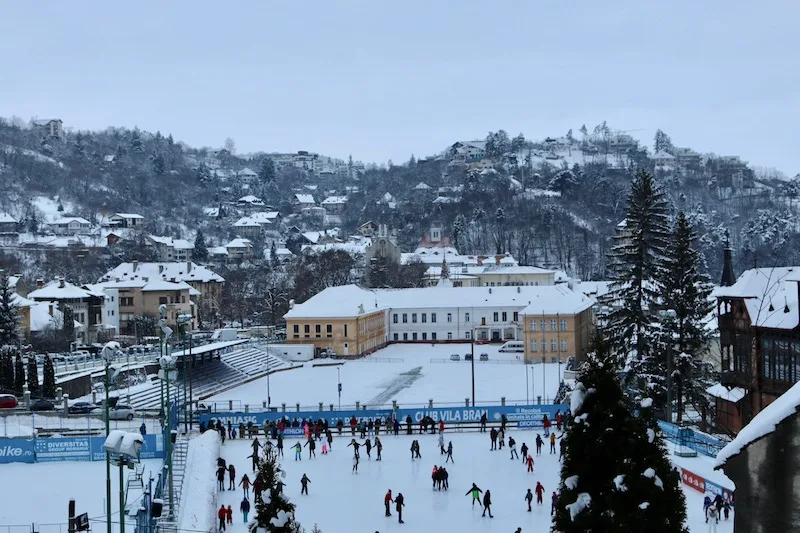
39, 493
409, 373
340, 501
20, 425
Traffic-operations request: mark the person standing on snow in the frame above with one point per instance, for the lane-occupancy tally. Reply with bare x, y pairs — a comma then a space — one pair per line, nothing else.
546, 425
298, 452
229, 514
539, 443
476, 494
512, 445
553, 503
441, 444
524, 450
493, 437
232, 477
487, 503
539, 493
530, 463
245, 484
529, 499
378, 447
449, 452
221, 478
387, 500
399, 504
244, 507
222, 514
304, 481
552, 443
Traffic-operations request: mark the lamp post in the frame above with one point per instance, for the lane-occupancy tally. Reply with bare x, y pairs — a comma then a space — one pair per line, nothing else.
107, 354
167, 364
527, 386
125, 448
182, 321
339, 386
544, 382
472, 364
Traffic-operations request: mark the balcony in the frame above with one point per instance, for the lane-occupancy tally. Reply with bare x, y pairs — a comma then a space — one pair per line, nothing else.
732, 378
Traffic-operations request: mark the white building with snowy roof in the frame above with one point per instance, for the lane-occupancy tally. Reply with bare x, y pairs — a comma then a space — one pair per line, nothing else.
87, 303
71, 226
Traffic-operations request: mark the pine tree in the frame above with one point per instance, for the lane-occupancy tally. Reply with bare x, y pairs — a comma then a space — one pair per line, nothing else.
159, 164
68, 328
636, 268
686, 291
662, 142
49, 378
615, 474
136, 142
19, 375
33, 377
6, 371
274, 513
273, 255
9, 314
266, 173
200, 248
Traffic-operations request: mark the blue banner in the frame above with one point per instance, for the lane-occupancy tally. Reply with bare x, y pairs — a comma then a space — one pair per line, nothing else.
89, 448
528, 415
16, 451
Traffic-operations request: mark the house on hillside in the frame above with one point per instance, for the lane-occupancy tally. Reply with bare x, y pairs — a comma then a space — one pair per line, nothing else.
302, 201
50, 127
247, 175
468, 150
87, 306
367, 229
168, 249
127, 220
71, 226
9, 229
240, 249
763, 461
248, 227
422, 187
663, 160
250, 202
334, 204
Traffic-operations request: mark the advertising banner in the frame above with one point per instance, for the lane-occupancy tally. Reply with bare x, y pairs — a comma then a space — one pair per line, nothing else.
64, 449
16, 451
528, 414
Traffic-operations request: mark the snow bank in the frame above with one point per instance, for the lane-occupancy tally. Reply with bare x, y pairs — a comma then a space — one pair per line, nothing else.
199, 495
762, 424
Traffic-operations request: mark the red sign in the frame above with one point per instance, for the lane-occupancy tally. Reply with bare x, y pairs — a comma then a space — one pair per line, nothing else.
693, 480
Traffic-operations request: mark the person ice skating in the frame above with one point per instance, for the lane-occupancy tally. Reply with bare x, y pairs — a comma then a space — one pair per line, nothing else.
143, 429
546, 425
368, 446
529, 499
487, 503
396, 427
711, 519
706, 505
304, 481
280, 445
258, 488
501, 441
484, 419
443, 478
329, 439
221, 477
229, 515
222, 514
441, 426
530, 463
279, 485
559, 419
718, 501
221, 431
726, 508
552, 443
370, 427
324, 449
245, 484
230, 428
355, 463
449, 452
512, 446
244, 507
254, 458
298, 452
398, 505
442, 451
476, 494
387, 500
435, 476
524, 450
378, 448
355, 446
561, 446
311, 446
539, 443
553, 503
232, 477
539, 493
493, 438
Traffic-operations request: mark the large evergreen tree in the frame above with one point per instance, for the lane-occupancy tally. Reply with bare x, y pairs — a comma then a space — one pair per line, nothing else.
266, 173
274, 513
33, 377
6, 371
615, 474
9, 314
68, 327
686, 291
49, 378
19, 375
200, 248
636, 268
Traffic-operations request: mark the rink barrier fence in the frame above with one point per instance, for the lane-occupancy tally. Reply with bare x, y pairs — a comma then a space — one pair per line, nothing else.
697, 441
702, 485
42, 450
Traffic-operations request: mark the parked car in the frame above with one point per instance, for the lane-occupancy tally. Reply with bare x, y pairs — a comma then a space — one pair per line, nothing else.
468, 357
484, 356
80, 408
8, 401
43, 405
121, 412
455, 357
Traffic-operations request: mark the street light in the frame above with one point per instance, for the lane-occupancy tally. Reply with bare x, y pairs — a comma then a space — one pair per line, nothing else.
125, 447
107, 354
339, 386
183, 319
544, 384
167, 364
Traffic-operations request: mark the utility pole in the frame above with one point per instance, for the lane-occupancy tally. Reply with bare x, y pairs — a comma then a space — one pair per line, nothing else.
472, 361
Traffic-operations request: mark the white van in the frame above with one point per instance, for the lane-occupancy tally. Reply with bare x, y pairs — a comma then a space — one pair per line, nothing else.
513, 346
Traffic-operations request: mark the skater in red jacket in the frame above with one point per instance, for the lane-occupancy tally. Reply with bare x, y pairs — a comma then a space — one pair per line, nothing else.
539, 492
530, 463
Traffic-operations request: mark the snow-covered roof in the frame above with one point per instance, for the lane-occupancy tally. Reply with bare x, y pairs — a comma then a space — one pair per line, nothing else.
444, 200
63, 221
529, 300
54, 291
349, 247
334, 200
770, 295
422, 186
239, 243
159, 285
281, 252
218, 250
514, 270
720, 391
183, 271
663, 156
250, 199
178, 244
127, 216
263, 217
41, 319
247, 222
304, 198
762, 424
6, 218
211, 211
247, 172
45, 121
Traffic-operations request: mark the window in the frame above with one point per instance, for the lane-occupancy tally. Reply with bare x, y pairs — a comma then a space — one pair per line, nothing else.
183, 299
533, 325
424, 317
449, 317
394, 318
329, 331
449, 336
395, 336
433, 336
413, 336
424, 336
126, 301
543, 324
345, 330
553, 345
468, 335
563, 345
563, 324
495, 316
413, 318
505, 316
307, 329
534, 345
466, 317
296, 329
552, 324
433, 317
405, 336
405, 318
318, 330
516, 316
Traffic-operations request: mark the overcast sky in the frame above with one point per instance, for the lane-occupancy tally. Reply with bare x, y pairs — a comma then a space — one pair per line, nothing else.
383, 80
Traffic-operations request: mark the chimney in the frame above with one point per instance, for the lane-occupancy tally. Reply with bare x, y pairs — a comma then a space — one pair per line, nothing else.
160, 269
291, 303
188, 266
60, 283
39, 283
728, 276
135, 266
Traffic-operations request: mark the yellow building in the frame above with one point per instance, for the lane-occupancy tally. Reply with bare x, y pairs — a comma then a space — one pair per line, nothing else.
554, 337
345, 320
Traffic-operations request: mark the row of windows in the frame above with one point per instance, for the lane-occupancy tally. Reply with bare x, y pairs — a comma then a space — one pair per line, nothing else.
511, 284
535, 345
416, 336
317, 330
542, 325
498, 316
780, 360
